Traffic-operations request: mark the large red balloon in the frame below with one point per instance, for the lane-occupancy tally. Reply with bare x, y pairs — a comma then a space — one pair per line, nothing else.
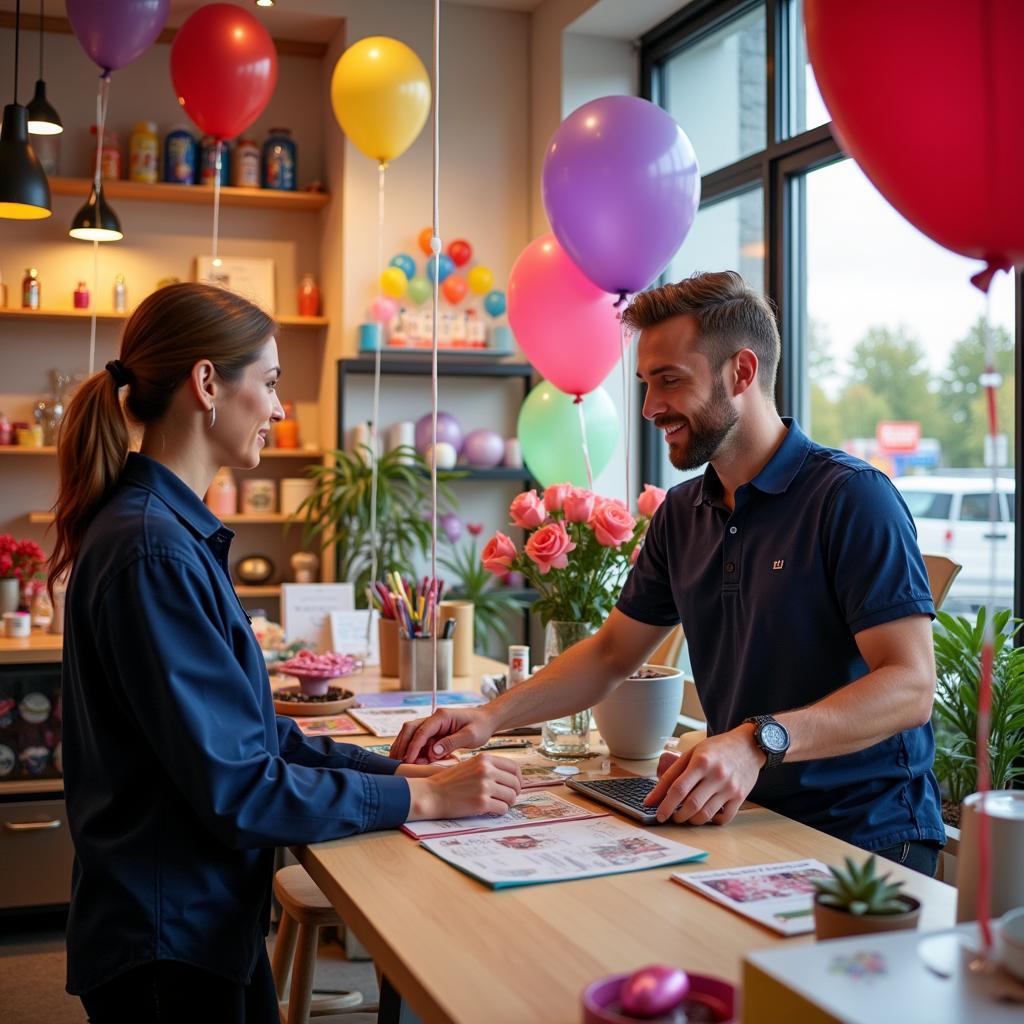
224, 69
925, 95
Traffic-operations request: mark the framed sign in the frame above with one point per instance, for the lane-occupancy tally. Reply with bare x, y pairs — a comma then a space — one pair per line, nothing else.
306, 610
253, 278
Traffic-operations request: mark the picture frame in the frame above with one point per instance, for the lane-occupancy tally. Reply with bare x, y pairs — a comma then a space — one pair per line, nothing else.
250, 277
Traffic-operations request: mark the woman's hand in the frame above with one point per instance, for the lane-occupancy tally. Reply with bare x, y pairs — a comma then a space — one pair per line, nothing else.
447, 729
482, 785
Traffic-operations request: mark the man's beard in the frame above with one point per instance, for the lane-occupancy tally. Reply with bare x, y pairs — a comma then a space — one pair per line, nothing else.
707, 428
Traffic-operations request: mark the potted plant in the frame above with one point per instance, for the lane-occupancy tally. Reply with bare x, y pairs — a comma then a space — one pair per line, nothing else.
857, 901
958, 644
337, 513
20, 561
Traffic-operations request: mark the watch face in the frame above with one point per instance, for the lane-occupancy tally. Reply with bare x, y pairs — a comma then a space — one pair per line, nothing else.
773, 737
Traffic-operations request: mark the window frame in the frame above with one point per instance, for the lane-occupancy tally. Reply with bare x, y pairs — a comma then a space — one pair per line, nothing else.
780, 169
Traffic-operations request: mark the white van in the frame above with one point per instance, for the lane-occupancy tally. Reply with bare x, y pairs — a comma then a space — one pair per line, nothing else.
952, 518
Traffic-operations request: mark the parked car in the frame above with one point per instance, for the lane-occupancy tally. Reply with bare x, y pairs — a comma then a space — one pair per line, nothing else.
952, 517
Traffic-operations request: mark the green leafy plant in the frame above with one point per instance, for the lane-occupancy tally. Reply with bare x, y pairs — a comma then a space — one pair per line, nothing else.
491, 602
859, 891
958, 644
337, 513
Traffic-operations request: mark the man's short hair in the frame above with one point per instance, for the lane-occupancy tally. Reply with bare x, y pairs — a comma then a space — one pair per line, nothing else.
730, 316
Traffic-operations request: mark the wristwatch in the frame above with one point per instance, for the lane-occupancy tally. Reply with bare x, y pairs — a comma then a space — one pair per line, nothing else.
772, 737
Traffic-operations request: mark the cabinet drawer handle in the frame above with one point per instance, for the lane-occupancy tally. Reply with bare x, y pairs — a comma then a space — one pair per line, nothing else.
31, 826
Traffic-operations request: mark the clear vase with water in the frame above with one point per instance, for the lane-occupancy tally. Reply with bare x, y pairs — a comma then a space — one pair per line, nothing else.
568, 736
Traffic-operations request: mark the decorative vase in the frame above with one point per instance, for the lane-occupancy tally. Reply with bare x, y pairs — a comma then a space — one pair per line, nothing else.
10, 594
568, 736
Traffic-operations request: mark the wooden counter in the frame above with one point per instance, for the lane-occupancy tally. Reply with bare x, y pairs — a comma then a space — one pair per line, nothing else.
39, 649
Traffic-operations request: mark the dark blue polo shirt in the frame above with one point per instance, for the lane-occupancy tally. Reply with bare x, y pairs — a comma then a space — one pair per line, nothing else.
179, 778
770, 595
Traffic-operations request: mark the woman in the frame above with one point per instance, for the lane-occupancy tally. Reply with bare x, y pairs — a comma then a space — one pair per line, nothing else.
179, 778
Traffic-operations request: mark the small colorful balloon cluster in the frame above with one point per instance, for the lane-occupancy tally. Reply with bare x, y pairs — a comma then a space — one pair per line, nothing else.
400, 280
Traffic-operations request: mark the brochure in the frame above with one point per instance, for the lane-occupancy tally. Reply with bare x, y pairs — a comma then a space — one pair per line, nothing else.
531, 808
536, 770
418, 699
336, 725
778, 896
387, 721
560, 852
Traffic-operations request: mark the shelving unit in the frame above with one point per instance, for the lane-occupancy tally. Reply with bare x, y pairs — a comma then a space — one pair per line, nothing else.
109, 316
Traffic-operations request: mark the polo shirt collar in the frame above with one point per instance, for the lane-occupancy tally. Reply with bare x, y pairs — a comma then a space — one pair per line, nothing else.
142, 471
775, 476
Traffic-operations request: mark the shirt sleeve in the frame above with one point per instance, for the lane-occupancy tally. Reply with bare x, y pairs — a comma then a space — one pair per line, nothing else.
647, 594
175, 670
323, 752
872, 553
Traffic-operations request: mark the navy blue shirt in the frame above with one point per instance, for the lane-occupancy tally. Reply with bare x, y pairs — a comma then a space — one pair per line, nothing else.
179, 778
770, 595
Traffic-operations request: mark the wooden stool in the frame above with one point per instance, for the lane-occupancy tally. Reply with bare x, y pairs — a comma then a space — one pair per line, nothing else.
304, 911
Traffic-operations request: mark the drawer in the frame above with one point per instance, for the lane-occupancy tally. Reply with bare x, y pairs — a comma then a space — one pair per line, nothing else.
36, 854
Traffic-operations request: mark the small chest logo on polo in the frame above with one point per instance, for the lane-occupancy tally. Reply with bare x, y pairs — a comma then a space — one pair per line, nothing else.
778, 563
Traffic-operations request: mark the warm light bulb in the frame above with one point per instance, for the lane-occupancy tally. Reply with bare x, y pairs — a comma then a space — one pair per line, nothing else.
264, 3
22, 211
44, 128
96, 234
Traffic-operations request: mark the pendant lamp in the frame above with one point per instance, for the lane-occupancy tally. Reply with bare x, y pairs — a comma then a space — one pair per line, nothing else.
96, 220
24, 190
42, 118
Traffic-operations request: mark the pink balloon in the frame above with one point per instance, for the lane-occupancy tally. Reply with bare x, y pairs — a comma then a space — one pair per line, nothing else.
383, 309
566, 326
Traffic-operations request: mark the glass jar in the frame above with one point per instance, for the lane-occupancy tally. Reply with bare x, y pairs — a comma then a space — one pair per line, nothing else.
180, 156
246, 164
143, 153
279, 161
31, 292
568, 736
110, 155
309, 296
208, 162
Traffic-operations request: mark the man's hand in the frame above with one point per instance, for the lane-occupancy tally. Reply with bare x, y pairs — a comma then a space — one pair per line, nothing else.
709, 782
481, 785
447, 729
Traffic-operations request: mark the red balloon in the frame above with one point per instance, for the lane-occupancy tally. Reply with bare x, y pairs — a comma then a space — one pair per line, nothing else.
925, 96
454, 288
460, 251
424, 239
224, 69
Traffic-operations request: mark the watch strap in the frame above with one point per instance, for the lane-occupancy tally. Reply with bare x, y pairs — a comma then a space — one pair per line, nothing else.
773, 757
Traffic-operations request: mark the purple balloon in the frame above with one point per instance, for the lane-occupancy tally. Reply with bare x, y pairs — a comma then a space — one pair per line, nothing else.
484, 448
448, 430
621, 187
116, 32
451, 526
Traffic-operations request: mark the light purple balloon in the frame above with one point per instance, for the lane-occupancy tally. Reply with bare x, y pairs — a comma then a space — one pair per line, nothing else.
484, 448
116, 32
448, 430
621, 187
451, 526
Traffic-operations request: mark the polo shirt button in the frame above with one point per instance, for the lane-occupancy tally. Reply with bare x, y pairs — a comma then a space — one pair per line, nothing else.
732, 529
730, 566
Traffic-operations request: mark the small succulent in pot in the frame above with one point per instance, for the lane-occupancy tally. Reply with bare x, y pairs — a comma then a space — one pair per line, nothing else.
858, 900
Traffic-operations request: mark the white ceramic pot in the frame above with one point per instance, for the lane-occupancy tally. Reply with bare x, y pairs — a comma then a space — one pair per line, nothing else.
641, 714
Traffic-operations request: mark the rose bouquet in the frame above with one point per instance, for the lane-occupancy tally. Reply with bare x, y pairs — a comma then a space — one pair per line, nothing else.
20, 559
578, 550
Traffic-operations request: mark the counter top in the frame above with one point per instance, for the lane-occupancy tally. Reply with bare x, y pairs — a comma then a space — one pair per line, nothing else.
40, 648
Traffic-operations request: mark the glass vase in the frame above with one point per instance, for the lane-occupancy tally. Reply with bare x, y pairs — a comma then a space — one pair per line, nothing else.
568, 736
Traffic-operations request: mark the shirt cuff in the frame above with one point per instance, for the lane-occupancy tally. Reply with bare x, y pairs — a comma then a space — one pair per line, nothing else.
891, 614
375, 764
388, 801
636, 610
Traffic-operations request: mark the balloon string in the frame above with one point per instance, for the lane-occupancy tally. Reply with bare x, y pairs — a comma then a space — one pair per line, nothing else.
578, 402
215, 262
374, 445
92, 303
435, 248
625, 336
102, 98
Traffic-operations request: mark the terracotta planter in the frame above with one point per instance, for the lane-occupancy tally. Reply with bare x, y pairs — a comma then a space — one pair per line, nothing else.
833, 923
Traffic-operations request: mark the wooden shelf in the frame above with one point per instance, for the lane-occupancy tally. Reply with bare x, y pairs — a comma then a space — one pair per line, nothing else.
195, 195
292, 453
312, 323
37, 787
269, 590
265, 519
17, 449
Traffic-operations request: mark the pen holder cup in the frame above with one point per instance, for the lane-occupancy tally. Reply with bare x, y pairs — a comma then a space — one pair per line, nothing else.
416, 663
387, 631
462, 613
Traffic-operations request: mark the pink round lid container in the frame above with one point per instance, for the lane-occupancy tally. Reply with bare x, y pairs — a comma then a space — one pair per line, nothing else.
603, 993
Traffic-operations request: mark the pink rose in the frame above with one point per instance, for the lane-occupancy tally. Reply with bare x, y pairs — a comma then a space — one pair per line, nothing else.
549, 547
527, 510
578, 505
498, 554
555, 495
612, 524
650, 501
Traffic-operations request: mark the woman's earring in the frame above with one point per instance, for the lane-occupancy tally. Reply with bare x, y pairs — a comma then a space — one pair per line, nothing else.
213, 415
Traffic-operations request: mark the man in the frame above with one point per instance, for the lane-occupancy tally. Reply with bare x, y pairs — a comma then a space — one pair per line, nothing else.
795, 572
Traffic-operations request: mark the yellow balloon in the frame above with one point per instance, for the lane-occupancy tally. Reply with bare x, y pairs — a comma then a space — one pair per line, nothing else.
381, 96
481, 280
393, 283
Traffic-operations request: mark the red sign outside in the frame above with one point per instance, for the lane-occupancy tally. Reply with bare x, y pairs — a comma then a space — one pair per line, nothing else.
898, 435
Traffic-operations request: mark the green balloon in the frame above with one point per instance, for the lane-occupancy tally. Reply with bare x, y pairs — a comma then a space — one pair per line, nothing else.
551, 440
419, 290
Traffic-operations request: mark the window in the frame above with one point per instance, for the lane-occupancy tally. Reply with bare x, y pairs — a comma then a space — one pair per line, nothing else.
974, 508
928, 504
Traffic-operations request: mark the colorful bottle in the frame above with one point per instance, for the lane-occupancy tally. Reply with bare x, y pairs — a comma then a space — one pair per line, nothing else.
80, 297
30, 289
246, 164
120, 295
110, 155
279, 160
144, 153
222, 497
180, 156
208, 161
309, 296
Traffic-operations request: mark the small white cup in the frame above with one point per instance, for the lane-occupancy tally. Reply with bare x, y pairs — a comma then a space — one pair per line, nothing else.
17, 624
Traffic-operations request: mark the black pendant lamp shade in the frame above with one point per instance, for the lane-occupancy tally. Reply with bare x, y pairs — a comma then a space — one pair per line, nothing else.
24, 190
96, 220
42, 118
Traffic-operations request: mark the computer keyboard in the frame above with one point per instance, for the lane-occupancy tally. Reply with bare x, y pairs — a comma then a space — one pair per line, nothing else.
624, 794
